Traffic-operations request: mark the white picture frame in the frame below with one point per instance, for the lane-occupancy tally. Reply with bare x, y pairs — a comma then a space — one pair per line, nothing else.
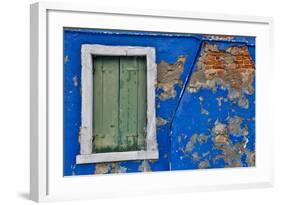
47, 182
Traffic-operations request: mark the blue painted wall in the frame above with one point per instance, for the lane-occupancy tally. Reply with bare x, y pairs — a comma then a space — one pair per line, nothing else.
182, 112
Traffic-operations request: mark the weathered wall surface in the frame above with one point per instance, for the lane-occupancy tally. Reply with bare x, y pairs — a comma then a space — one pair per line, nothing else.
205, 104
214, 124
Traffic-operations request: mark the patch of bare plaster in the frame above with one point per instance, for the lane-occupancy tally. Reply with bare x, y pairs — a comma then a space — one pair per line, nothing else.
144, 166
72, 167
220, 133
102, 168
201, 158
109, 168
204, 164
66, 59
219, 99
168, 75
234, 126
75, 81
117, 168
203, 111
251, 158
158, 105
219, 37
231, 153
182, 137
232, 69
195, 156
195, 138
160, 121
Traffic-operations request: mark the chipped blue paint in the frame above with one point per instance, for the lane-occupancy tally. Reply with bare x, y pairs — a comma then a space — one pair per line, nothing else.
181, 112
189, 120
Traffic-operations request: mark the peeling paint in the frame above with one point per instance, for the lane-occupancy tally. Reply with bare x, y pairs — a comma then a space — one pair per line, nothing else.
168, 75
251, 158
202, 109
203, 164
200, 138
160, 121
195, 156
219, 99
75, 81
234, 126
66, 59
110, 168
102, 168
203, 128
219, 37
231, 69
117, 168
72, 167
220, 133
231, 152
144, 166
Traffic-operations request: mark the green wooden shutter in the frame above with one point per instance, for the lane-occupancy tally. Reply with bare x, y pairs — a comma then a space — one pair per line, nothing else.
105, 116
119, 118
142, 103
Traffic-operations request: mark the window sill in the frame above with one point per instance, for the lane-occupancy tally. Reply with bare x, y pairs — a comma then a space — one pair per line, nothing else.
116, 156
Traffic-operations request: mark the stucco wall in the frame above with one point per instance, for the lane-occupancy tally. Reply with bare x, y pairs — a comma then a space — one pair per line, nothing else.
205, 125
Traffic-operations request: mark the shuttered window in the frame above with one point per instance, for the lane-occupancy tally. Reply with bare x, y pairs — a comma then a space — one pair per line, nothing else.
119, 103
118, 119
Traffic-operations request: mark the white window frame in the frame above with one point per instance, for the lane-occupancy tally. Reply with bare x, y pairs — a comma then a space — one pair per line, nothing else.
86, 130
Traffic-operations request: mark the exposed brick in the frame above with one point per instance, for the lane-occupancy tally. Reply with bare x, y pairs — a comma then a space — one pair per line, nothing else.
219, 37
240, 57
233, 69
247, 62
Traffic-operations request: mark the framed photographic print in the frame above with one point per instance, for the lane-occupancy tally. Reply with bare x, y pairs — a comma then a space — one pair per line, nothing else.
147, 101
